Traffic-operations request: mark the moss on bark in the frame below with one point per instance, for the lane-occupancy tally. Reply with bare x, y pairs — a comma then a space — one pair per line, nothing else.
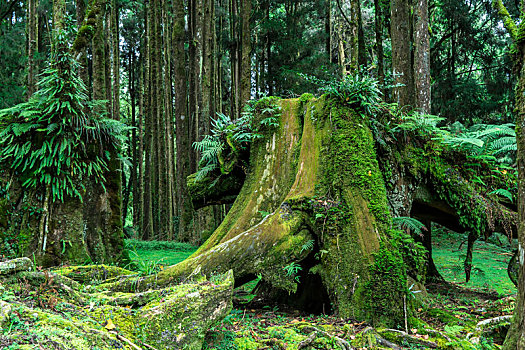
319, 179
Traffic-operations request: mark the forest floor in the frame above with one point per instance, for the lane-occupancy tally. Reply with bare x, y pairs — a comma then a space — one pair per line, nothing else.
446, 318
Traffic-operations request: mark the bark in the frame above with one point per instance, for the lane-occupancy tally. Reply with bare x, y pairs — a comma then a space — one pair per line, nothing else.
378, 19
102, 229
147, 212
168, 122
182, 125
246, 61
328, 29
32, 45
402, 53
516, 335
422, 58
59, 13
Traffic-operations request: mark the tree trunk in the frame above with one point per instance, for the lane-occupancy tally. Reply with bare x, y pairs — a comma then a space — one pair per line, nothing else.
422, 58
246, 59
516, 335
378, 18
32, 45
182, 126
402, 53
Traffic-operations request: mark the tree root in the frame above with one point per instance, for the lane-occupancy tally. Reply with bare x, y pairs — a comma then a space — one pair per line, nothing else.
413, 339
343, 344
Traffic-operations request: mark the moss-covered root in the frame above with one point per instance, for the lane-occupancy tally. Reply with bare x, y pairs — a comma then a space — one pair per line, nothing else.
94, 274
15, 265
265, 249
177, 317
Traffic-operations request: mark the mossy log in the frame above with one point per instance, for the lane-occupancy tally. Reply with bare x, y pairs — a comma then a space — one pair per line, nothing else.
328, 233
52, 311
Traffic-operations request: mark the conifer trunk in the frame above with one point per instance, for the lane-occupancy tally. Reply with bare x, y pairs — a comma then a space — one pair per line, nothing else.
422, 58
401, 37
182, 125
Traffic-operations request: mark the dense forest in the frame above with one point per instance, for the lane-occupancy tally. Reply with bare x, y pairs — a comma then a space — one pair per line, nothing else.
262, 174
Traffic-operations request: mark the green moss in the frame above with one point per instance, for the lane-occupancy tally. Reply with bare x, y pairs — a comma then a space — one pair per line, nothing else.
383, 293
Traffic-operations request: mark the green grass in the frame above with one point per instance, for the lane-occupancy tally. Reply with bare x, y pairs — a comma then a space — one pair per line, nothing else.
489, 271
159, 252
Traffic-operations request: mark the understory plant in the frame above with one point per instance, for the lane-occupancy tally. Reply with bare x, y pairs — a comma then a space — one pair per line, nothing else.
230, 138
58, 138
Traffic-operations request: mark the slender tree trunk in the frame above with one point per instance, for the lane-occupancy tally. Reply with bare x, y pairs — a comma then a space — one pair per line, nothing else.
403, 93
328, 29
32, 45
422, 58
147, 212
378, 18
140, 154
516, 334
353, 37
246, 61
182, 125
168, 122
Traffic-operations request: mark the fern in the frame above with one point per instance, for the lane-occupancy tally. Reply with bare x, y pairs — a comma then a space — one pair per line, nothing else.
408, 223
56, 139
230, 138
503, 193
308, 245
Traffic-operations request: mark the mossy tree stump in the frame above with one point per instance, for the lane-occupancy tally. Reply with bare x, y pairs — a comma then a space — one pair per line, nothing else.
329, 229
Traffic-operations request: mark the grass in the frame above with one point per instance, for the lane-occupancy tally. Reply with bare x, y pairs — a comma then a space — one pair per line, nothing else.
489, 272
159, 252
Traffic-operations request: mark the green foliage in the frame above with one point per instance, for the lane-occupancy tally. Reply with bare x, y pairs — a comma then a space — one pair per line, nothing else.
484, 142
308, 245
422, 124
229, 139
504, 193
358, 91
409, 224
292, 269
57, 138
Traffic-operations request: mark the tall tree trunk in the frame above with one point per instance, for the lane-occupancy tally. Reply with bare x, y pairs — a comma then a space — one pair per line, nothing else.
328, 29
516, 334
378, 19
32, 45
246, 61
400, 31
168, 121
83, 59
182, 125
147, 229
422, 58
141, 213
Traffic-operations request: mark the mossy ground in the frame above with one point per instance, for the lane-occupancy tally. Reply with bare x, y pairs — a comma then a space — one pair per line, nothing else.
490, 261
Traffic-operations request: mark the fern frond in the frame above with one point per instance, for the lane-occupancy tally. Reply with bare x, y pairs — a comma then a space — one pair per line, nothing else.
409, 223
503, 193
